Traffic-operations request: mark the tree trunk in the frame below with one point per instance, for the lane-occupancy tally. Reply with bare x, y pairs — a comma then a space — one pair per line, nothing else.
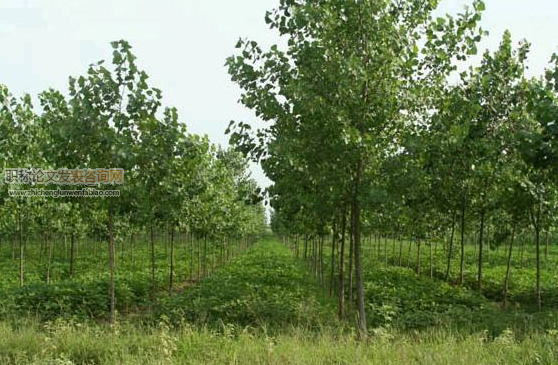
341, 291
393, 248
386, 250
204, 256
431, 260
191, 251
400, 250
49, 257
122, 247
198, 254
481, 236
537, 225
490, 245
546, 246
409, 251
508, 265
132, 247
21, 252
13, 249
72, 253
450, 251
322, 263
351, 261
152, 241
111, 268
332, 263
462, 254
355, 226
171, 273
418, 256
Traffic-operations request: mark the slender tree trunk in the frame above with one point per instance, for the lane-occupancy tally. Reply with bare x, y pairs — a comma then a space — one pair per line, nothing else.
400, 250
321, 261
508, 265
546, 246
332, 263
222, 252
481, 244
312, 248
13, 248
198, 254
341, 291
21, 250
132, 248
431, 259
125, 236
393, 248
521, 249
351, 261
111, 267
386, 250
171, 268
537, 225
49, 258
487, 240
419, 241
152, 240
450, 251
316, 251
409, 251
72, 253
476, 246
462, 254
41, 249
191, 252
315, 256
204, 256
355, 226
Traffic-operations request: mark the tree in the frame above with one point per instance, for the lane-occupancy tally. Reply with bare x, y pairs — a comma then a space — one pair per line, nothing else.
353, 70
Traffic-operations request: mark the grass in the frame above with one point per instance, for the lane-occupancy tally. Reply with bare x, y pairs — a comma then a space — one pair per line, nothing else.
70, 343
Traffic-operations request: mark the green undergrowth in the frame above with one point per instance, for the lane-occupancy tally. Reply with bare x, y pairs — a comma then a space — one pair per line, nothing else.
264, 307
84, 295
521, 290
397, 297
266, 285
75, 299
400, 298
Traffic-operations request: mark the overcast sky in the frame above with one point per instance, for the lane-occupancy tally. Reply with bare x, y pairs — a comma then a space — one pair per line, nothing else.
182, 45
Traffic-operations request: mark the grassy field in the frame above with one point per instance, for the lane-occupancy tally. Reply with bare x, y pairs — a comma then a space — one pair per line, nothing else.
67, 343
265, 307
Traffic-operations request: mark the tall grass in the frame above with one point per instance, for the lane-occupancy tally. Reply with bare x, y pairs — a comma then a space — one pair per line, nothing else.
68, 343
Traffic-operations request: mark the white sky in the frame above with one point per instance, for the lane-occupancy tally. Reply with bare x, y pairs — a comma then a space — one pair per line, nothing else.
182, 45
